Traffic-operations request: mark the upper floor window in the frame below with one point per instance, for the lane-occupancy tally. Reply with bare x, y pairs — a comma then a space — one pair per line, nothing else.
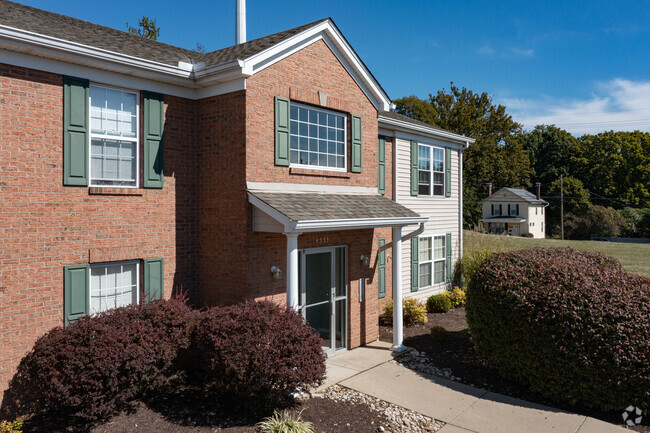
113, 285
318, 138
114, 137
431, 170
496, 209
513, 209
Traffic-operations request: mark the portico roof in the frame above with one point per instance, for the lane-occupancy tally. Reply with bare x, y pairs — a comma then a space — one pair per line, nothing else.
319, 211
503, 219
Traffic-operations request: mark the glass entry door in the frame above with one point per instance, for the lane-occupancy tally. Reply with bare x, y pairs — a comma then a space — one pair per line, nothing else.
323, 294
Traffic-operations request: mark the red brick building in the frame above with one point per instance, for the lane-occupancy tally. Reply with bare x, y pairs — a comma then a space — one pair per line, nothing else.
131, 169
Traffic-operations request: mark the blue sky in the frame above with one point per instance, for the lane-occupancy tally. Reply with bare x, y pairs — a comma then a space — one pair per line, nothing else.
583, 65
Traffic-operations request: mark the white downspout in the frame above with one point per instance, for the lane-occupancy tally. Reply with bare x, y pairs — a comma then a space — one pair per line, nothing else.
460, 203
292, 270
398, 330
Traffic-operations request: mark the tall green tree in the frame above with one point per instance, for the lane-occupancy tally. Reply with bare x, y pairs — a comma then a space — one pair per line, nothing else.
576, 202
147, 28
551, 150
615, 165
496, 156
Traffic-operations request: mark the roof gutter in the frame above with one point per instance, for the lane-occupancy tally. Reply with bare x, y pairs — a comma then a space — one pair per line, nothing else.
355, 224
403, 126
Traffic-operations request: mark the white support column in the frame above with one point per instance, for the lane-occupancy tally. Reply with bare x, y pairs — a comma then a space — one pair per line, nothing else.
292, 270
240, 22
398, 331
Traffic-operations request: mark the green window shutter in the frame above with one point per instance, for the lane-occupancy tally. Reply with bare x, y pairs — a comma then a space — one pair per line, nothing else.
382, 269
76, 93
415, 265
154, 279
415, 176
357, 132
447, 172
76, 296
448, 259
154, 123
282, 131
381, 165
517, 209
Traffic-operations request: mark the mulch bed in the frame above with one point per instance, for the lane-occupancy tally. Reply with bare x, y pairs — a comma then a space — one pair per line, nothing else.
327, 416
457, 353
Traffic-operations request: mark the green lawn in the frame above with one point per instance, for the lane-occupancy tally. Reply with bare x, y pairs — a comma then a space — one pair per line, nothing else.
635, 257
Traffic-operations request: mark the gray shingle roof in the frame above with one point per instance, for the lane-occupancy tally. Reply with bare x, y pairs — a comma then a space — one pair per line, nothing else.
318, 206
519, 192
83, 32
403, 118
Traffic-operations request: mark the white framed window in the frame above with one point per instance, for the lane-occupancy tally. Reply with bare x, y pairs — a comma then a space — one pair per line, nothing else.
114, 285
512, 209
535, 211
496, 209
431, 170
318, 138
432, 260
114, 136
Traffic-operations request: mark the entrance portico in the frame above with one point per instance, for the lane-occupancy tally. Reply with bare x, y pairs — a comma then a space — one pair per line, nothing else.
306, 212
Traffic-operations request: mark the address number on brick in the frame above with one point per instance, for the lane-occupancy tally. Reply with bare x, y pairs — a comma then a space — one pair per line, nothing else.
322, 240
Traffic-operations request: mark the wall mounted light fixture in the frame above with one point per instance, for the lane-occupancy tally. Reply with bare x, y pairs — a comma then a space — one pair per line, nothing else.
365, 259
277, 273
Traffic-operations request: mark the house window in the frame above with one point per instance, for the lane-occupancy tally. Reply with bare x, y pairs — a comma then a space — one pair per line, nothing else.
114, 137
432, 260
431, 169
113, 285
512, 210
496, 209
535, 211
318, 138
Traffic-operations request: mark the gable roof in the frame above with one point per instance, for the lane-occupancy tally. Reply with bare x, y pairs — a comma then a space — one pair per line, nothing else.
50, 35
392, 120
520, 193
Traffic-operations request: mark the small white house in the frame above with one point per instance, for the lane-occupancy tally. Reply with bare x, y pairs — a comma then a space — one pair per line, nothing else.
514, 212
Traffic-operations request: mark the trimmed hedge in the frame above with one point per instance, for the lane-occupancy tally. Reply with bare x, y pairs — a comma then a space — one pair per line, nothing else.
90, 370
440, 303
572, 325
413, 312
257, 351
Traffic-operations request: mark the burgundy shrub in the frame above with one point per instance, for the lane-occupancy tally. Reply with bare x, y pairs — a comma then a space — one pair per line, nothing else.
572, 325
89, 370
258, 351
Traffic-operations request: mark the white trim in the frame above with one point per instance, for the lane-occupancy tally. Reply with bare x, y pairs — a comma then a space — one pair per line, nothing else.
431, 171
211, 80
421, 130
304, 187
460, 205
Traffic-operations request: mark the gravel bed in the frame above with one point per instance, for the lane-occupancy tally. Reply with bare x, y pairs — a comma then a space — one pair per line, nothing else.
419, 361
399, 419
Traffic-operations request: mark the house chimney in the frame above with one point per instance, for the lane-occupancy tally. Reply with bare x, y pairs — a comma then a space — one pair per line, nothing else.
240, 22
489, 187
539, 190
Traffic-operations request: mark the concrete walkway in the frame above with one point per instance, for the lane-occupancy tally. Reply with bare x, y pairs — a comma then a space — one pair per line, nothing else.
463, 408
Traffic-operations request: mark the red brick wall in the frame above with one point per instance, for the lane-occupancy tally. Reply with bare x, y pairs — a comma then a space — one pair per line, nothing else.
301, 76
45, 225
222, 198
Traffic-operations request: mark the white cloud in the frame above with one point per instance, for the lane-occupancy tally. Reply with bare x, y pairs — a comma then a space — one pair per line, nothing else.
485, 50
619, 105
522, 52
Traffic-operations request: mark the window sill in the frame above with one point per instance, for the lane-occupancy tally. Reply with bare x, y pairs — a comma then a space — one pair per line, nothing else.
95, 190
319, 173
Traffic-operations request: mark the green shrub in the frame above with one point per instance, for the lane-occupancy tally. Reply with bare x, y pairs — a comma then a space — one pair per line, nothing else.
438, 333
11, 426
571, 325
439, 303
413, 312
285, 422
470, 263
527, 235
457, 297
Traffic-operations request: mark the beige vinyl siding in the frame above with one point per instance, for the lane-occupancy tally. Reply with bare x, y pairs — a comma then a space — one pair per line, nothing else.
443, 212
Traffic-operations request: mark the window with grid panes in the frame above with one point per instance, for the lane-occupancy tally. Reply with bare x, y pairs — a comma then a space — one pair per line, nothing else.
317, 138
113, 285
114, 137
431, 170
432, 260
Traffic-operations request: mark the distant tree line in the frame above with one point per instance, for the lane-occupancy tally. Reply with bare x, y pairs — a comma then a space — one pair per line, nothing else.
606, 176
